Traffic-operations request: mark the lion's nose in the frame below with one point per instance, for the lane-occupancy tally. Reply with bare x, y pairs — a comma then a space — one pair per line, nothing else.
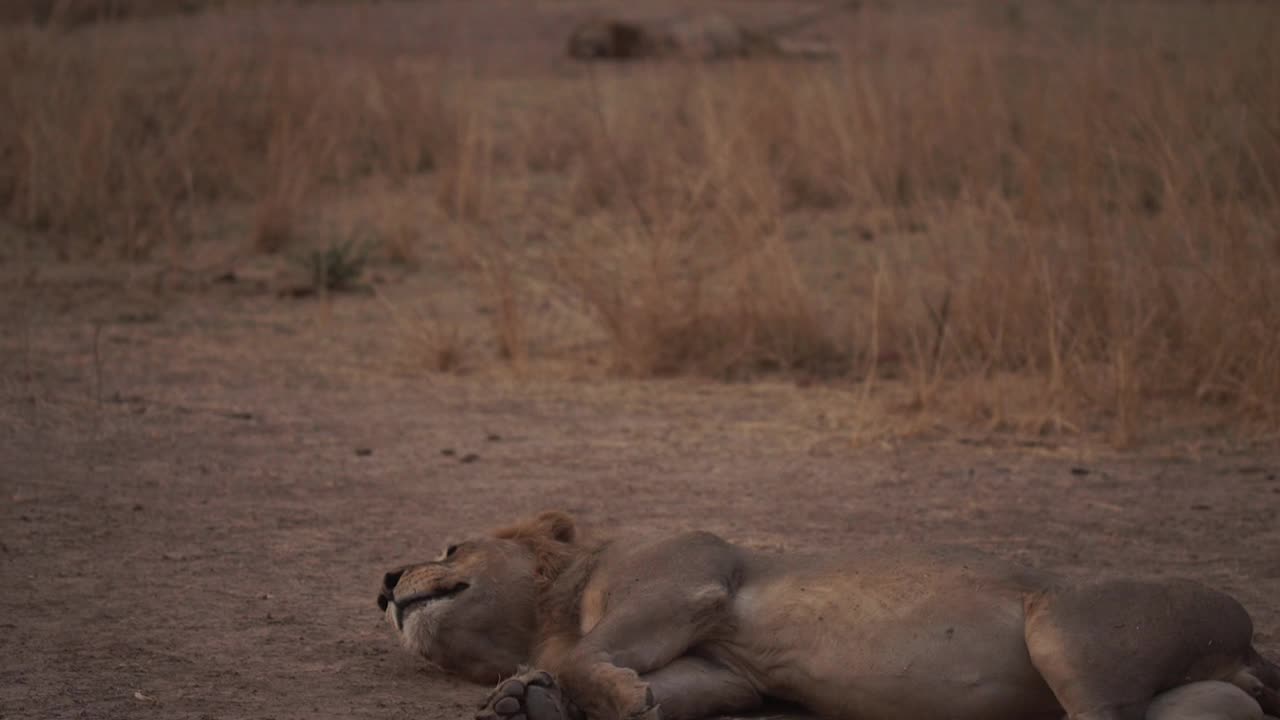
390, 579
385, 593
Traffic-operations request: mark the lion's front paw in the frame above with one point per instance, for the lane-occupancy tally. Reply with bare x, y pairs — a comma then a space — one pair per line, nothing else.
632, 698
530, 695
650, 711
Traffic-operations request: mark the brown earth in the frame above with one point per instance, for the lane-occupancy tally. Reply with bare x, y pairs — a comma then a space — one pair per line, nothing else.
202, 488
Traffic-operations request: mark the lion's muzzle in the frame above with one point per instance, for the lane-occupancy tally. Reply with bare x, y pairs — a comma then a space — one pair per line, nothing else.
395, 606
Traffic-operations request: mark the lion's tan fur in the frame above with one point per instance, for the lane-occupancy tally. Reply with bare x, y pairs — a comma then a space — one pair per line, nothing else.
697, 626
550, 537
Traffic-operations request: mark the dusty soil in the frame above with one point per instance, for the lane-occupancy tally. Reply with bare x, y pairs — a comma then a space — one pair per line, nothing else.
201, 489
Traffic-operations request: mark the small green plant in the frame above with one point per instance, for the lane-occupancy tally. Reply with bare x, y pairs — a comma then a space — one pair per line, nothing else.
337, 267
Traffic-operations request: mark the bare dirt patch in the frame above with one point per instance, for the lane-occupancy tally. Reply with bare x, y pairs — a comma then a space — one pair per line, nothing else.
201, 491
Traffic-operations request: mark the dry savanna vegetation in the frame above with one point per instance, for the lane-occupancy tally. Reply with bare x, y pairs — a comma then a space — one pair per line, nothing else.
1037, 216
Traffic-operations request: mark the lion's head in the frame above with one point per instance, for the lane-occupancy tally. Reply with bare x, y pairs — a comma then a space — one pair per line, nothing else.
472, 610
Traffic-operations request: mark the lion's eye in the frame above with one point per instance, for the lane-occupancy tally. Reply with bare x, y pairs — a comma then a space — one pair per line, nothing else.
449, 551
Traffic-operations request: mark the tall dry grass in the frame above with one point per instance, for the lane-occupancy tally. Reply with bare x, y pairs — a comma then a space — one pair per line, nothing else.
1098, 208
116, 137
1083, 194
75, 13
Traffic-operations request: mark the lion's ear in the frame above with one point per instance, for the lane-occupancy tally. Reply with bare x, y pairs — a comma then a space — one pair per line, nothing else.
550, 537
551, 525
558, 526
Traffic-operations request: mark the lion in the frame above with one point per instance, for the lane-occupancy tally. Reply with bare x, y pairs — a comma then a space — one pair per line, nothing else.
703, 37
690, 626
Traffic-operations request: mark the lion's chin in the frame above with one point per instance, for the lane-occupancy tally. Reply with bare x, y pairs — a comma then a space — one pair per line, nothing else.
418, 624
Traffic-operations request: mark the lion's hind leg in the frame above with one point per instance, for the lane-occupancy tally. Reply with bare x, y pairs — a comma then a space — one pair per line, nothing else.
1107, 649
1206, 700
1261, 679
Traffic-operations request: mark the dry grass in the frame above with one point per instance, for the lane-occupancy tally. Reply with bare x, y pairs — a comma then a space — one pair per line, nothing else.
74, 13
1084, 194
430, 339
115, 136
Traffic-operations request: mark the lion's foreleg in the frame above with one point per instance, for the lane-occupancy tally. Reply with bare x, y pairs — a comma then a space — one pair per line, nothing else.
603, 672
692, 687
689, 688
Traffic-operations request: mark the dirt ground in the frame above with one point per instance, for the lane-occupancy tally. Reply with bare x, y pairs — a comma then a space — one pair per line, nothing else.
202, 488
